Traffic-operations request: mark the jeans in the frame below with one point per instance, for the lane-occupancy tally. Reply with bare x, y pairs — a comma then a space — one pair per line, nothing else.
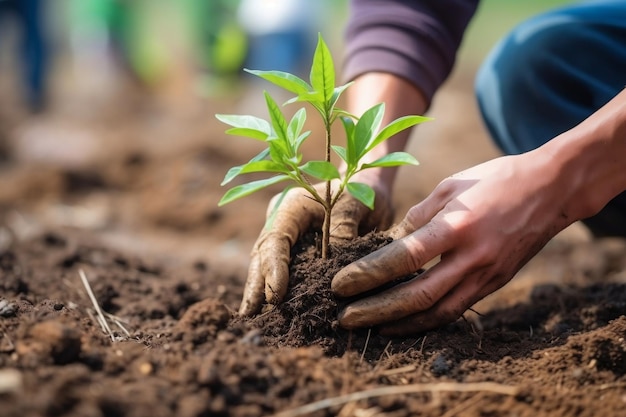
33, 47
549, 74
288, 51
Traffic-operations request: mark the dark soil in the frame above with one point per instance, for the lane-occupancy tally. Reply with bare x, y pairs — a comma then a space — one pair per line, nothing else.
127, 197
308, 315
187, 353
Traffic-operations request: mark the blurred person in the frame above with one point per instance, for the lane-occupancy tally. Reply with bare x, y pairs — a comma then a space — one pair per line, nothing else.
29, 14
219, 43
282, 34
552, 96
106, 34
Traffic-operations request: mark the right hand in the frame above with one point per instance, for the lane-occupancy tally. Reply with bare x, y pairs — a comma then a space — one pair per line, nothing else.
485, 222
268, 274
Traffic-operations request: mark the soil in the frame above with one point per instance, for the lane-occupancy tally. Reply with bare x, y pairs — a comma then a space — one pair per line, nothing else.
121, 200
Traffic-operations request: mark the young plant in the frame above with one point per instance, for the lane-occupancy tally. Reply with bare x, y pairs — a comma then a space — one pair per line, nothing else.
284, 139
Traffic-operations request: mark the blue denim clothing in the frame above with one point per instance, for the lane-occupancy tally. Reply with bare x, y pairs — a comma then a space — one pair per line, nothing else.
33, 47
549, 74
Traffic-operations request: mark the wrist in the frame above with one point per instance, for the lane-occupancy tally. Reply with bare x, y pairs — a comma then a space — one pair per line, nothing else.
590, 159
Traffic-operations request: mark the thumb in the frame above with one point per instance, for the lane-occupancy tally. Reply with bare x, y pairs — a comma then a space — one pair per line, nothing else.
347, 216
417, 216
417, 240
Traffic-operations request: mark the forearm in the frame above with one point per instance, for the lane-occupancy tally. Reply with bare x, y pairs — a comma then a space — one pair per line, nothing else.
399, 52
401, 98
416, 40
591, 158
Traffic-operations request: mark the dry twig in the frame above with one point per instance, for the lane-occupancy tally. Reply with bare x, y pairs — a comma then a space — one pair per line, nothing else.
491, 387
100, 315
367, 341
400, 370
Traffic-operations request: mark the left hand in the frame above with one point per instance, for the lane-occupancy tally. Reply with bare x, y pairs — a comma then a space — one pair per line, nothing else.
485, 222
268, 274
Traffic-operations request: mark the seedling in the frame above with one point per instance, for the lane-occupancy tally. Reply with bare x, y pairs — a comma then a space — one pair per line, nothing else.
283, 157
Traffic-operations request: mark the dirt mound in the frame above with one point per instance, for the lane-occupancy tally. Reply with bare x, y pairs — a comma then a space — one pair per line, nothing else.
308, 316
177, 347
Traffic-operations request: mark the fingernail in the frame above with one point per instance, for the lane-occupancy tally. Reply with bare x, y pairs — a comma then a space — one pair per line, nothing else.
350, 318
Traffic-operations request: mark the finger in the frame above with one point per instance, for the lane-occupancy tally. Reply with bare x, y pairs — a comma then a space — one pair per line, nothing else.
398, 259
418, 215
254, 290
403, 300
294, 217
450, 308
347, 215
275, 265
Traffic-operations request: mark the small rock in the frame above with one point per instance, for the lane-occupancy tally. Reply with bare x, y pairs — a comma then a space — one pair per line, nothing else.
10, 381
7, 309
440, 366
254, 337
145, 368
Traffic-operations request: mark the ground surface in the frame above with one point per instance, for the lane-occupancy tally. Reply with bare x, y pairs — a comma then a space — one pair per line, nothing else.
125, 196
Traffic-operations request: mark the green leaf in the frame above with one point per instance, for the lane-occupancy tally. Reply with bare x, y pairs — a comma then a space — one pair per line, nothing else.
343, 113
270, 219
366, 128
314, 98
295, 126
348, 126
337, 93
249, 133
234, 171
341, 151
249, 188
323, 71
300, 140
284, 80
263, 166
279, 151
394, 127
254, 166
278, 122
393, 159
249, 126
362, 192
322, 170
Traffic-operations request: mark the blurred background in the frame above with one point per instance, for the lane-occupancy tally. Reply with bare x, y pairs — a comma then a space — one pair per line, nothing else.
107, 114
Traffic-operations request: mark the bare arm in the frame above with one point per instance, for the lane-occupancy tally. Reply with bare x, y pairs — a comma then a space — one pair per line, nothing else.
401, 98
486, 223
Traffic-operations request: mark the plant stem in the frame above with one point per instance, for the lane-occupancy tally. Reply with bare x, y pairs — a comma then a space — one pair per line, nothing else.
328, 207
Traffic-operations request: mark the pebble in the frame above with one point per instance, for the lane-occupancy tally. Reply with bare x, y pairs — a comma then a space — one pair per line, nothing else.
10, 381
146, 368
7, 309
254, 337
440, 366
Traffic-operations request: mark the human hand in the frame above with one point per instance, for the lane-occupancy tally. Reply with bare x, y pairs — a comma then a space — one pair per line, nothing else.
485, 222
268, 273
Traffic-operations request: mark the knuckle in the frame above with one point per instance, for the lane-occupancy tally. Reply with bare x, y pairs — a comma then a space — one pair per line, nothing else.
422, 299
414, 247
485, 255
449, 314
414, 260
414, 216
445, 188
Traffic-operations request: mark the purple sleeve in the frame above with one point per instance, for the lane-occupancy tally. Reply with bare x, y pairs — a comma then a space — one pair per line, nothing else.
414, 39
